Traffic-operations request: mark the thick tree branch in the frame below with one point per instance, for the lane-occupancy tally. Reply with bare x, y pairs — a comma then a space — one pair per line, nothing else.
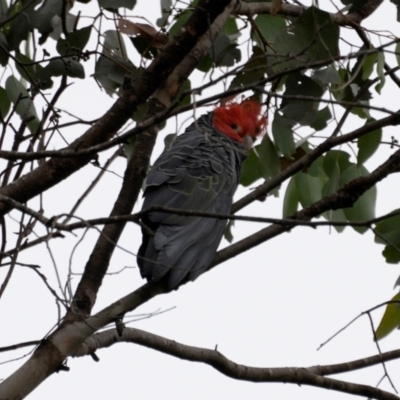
313, 376
289, 10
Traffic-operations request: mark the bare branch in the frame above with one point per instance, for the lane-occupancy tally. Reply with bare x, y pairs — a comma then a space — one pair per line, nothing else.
295, 375
19, 345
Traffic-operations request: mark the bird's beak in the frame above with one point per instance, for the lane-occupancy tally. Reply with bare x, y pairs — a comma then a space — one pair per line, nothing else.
248, 142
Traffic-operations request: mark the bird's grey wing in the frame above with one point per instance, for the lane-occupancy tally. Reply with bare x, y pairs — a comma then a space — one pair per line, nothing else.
193, 175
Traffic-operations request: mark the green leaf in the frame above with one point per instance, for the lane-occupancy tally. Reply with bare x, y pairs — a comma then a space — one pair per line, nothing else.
180, 21
43, 18
185, 87
75, 41
269, 26
331, 186
70, 23
59, 67
327, 75
250, 172
252, 71
397, 3
114, 4
3, 54
392, 255
353, 5
268, 163
397, 50
282, 130
321, 119
368, 65
390, 320
129, 147
113, 44
309, 188
224, 52
111, 68
4, 103
349, 89
364, 208
75, 69
230, 29
317, 169
142, 45
380, 69
19, 29
26, 71
17, 93
228, 235
335, 158
298, 110
205, 64
389, 230
368, 144
312, 37
291, 199
166, 6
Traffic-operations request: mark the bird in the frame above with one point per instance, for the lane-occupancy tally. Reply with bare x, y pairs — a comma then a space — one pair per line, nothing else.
200, 172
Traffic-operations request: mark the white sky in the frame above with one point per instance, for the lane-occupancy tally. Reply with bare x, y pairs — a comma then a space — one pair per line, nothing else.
269, 307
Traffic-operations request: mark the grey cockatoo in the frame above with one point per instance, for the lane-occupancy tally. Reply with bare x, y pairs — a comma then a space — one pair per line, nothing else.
199, 172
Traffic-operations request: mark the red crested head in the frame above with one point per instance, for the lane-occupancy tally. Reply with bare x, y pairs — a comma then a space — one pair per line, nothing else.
240, 120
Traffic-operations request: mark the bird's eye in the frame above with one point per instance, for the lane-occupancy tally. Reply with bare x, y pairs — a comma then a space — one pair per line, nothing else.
234, 127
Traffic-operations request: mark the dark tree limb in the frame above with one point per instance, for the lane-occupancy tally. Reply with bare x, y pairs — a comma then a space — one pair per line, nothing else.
289, 10
312, 376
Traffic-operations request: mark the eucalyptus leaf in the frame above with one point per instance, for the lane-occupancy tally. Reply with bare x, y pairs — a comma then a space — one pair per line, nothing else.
25, 107
388, 230
364, 208
4, 103
390, 320
282, 129
268, 162
291, 199
76, 40
309, 188
368, 144
250, 172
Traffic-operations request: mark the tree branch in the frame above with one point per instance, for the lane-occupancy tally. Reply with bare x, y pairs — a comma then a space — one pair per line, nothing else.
289, 10
313, 376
